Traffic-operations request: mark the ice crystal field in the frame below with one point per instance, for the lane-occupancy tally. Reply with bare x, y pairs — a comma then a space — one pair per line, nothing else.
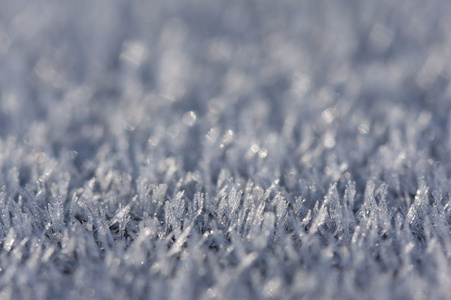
225, 149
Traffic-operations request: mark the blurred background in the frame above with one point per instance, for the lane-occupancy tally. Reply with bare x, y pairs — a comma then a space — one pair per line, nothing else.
277, 87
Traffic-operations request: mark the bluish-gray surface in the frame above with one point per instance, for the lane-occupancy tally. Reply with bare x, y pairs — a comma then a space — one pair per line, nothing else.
225, 149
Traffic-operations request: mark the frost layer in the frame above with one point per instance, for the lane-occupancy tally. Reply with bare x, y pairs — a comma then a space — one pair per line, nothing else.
225, 149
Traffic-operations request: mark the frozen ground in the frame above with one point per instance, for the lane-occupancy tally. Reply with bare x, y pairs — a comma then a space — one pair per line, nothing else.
225, 149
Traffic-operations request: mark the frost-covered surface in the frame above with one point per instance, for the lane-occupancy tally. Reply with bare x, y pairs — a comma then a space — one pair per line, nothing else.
225, 149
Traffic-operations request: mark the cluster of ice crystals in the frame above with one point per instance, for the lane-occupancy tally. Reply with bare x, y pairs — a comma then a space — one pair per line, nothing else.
225, 150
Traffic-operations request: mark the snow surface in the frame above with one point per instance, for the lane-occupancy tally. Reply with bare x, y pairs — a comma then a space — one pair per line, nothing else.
225, 149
